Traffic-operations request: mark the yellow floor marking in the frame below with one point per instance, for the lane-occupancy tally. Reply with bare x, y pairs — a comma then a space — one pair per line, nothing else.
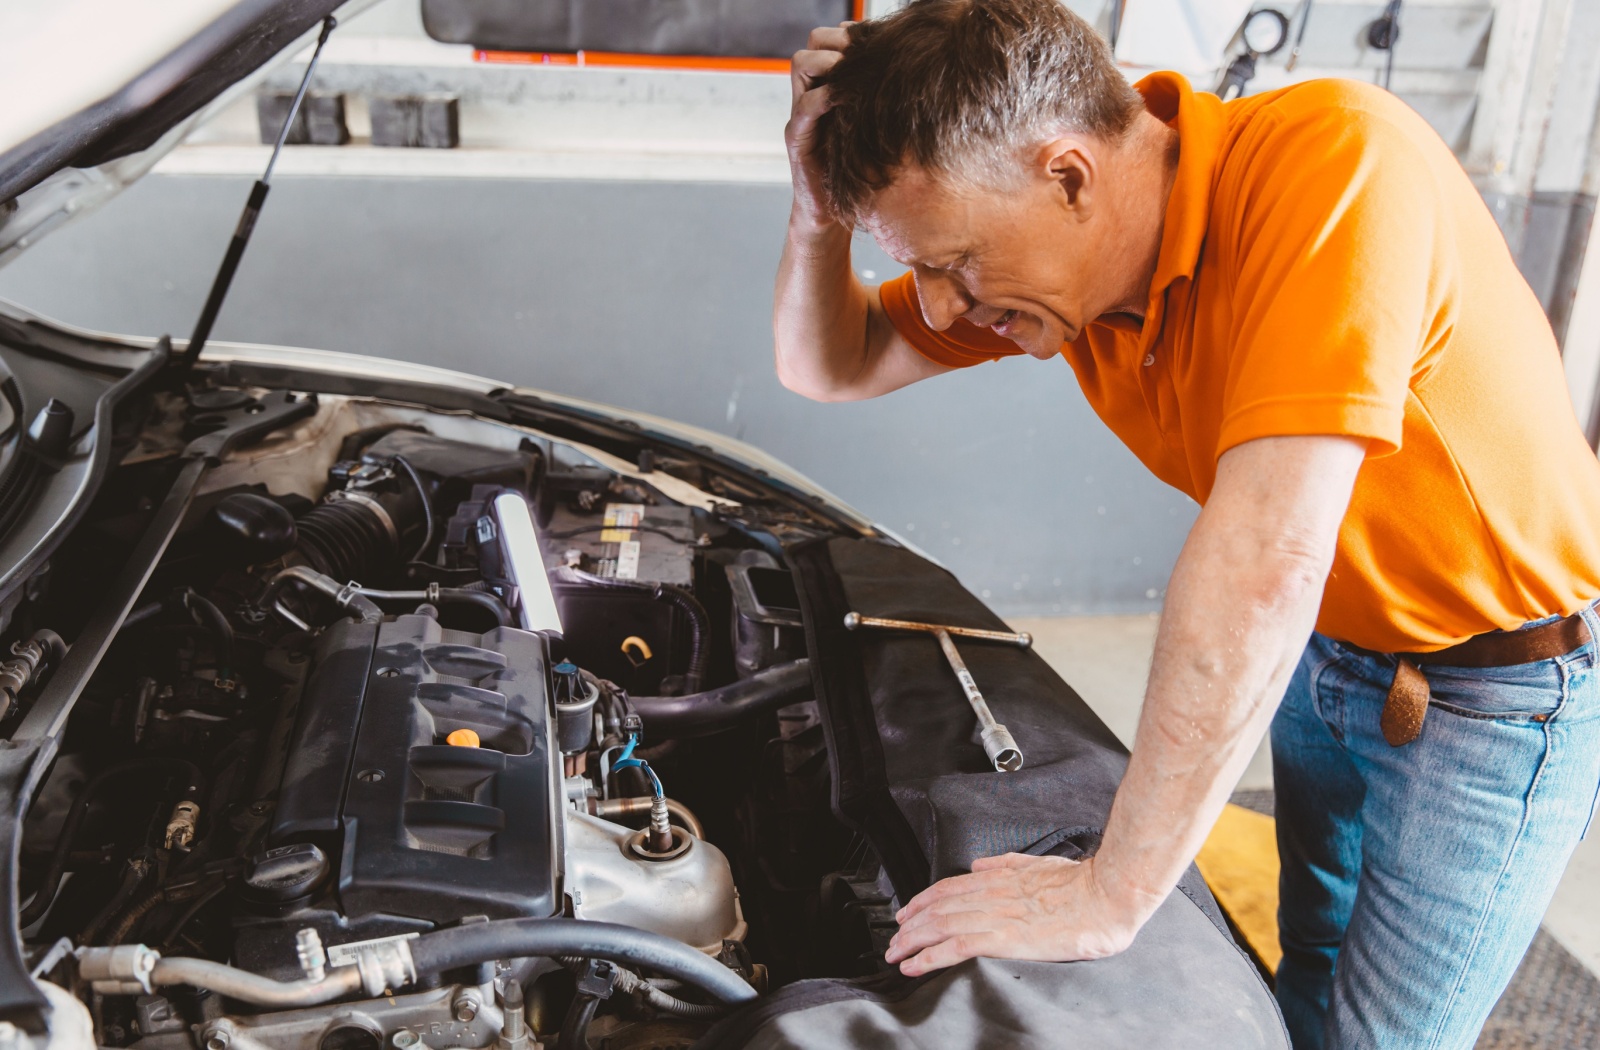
1240, 864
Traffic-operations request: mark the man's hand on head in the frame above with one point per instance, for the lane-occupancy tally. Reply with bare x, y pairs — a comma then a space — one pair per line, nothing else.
1014, 906
832, 340
823, 50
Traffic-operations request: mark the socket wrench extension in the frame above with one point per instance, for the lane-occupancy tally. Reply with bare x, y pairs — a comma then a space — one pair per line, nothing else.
997, 740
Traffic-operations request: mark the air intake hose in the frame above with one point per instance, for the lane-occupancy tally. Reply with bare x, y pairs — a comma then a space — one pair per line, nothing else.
348, 539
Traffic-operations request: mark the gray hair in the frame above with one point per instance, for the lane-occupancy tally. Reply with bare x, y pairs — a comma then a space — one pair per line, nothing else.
962, 88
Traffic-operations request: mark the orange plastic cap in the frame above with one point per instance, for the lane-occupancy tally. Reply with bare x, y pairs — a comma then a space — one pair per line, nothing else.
462, 738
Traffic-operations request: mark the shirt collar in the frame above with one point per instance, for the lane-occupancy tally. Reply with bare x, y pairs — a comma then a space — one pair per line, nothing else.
1201, 123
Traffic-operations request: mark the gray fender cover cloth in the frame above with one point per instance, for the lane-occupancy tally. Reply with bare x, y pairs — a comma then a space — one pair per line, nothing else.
911, 777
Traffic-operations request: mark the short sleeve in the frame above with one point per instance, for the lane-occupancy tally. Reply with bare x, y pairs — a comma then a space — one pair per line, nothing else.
1337, 251
962, 345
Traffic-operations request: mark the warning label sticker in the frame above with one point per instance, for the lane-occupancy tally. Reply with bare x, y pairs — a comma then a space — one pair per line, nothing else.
628, 560
347, 954
624, 515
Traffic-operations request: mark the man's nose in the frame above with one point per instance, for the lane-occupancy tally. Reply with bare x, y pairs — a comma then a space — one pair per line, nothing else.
942, 298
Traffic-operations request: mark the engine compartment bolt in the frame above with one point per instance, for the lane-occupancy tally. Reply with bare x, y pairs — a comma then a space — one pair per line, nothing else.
218, 1036
465, 1007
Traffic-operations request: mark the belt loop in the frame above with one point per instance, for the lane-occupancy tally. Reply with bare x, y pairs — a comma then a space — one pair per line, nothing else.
1591, 619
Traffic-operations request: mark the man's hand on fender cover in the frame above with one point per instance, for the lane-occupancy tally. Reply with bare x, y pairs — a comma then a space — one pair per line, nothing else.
1014, 906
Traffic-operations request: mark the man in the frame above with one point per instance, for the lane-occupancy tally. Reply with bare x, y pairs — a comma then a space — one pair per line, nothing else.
1295, 308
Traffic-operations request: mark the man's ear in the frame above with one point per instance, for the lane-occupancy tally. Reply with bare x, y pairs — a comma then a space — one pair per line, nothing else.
1070, 165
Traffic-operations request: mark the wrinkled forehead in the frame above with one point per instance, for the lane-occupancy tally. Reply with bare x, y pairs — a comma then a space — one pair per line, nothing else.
921, 218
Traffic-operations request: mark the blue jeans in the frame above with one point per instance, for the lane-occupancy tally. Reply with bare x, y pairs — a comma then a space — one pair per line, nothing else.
1414, 877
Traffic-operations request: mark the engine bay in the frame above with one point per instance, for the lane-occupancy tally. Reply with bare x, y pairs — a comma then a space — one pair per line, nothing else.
402, 674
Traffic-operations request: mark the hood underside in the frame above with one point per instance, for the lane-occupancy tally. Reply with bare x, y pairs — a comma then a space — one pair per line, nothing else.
89, 84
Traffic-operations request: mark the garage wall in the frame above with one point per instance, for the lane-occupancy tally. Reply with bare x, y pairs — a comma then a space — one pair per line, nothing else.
648, 295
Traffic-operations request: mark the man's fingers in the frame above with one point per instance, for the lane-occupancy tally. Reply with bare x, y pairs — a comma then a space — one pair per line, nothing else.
941, 925
806, 66
955, 886
949, 952
830, 38
811, 105
1010, 860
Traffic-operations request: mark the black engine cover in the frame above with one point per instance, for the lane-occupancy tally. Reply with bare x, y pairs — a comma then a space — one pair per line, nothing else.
419, 828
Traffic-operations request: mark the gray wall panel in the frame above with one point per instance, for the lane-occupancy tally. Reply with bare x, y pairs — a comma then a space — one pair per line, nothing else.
653, 296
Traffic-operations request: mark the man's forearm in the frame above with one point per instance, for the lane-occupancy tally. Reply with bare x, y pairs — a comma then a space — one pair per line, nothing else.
820, 310
1209, 702
1239, 609
1241, 604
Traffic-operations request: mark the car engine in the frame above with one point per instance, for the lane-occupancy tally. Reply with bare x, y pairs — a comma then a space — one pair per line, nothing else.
403, 678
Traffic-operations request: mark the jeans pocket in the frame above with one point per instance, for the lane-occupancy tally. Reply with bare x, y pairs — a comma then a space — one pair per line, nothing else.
1532, 692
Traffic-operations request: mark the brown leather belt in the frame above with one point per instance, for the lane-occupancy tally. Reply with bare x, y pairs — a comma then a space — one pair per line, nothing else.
1407, 703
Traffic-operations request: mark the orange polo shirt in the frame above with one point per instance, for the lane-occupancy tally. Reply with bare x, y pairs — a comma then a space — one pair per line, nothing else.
1326, 267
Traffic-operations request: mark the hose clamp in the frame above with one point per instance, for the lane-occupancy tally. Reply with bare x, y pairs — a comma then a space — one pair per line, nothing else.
386, 966
122, 970
371, 504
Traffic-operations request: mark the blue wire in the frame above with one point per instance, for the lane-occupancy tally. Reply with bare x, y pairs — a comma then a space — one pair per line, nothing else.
625, 760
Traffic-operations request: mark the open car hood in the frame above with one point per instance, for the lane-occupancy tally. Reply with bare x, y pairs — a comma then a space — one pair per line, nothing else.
97, 93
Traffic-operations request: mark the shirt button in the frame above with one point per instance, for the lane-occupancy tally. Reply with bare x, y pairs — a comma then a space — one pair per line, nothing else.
1149, 359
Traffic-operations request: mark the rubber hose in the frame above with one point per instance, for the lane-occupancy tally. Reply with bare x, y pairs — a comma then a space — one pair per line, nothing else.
132, 879
700, 638
427, 507
177, 925
55, 649
80, 806
575, 1026
481, 942
701, 714
345, 540
205, 613
447, 595
131, 919
668, 1003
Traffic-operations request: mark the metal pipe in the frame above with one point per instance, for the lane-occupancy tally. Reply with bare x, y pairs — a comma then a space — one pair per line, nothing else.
1020, 639
612, 808
253, 988
346, 596
997, 741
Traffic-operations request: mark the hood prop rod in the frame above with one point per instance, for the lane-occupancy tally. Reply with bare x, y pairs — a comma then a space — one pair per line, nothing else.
247, 220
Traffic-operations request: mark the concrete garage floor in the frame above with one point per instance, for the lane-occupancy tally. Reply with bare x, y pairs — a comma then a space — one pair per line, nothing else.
1555, 999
